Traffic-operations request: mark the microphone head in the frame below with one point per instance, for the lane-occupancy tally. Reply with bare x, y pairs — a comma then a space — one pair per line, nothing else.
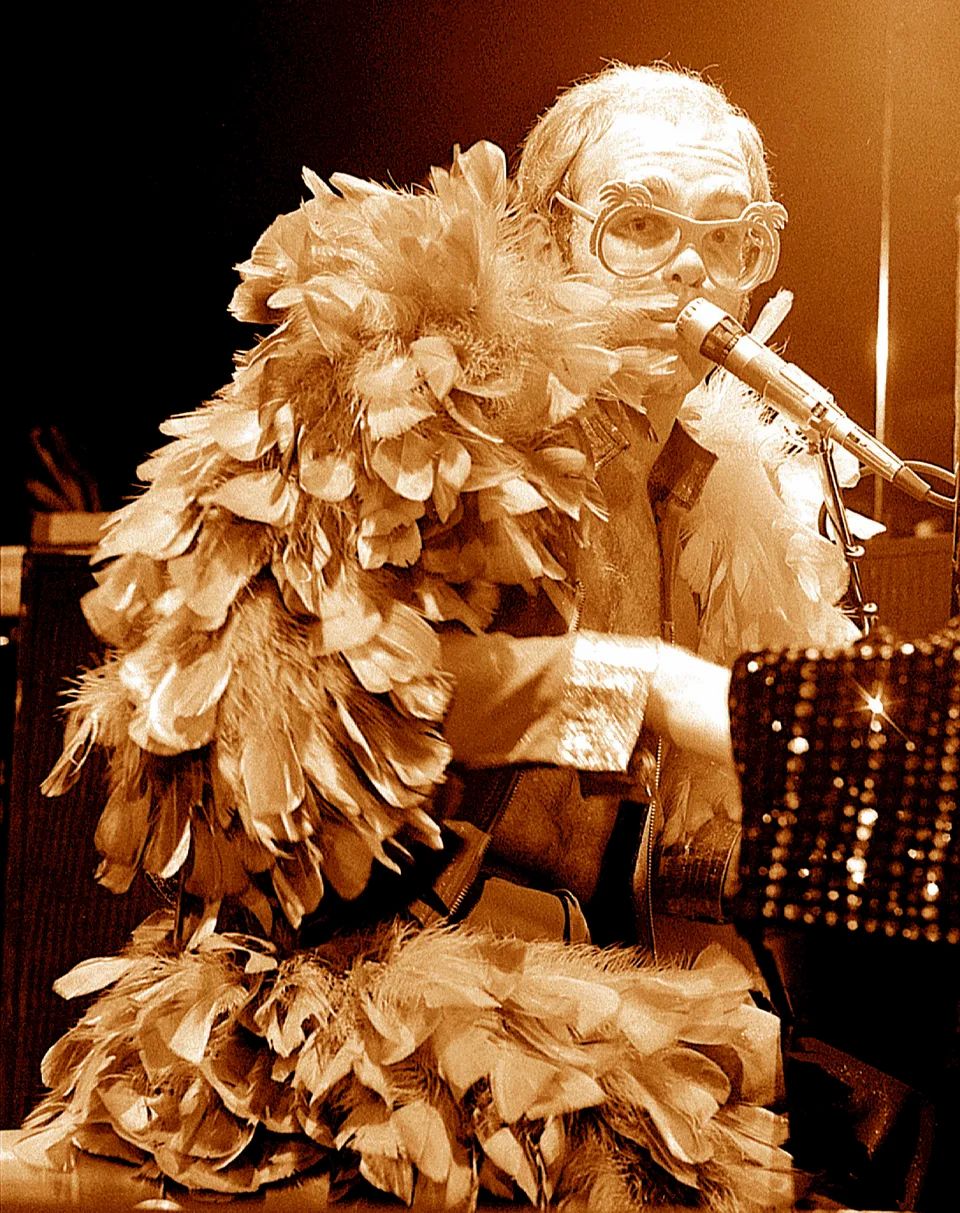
697, 319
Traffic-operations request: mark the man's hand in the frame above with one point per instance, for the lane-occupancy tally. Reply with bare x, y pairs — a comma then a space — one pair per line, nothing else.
688, 705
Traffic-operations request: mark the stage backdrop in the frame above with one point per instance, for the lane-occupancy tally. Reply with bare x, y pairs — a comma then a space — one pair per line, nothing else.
161, 139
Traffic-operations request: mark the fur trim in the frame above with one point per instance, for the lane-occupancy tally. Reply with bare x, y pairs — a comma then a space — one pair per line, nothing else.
432, 1063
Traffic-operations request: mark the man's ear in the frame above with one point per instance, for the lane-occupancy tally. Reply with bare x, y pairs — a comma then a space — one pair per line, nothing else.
560, 224
548, 236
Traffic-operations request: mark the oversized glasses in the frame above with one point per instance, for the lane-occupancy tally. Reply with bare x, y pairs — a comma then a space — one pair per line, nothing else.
632, 237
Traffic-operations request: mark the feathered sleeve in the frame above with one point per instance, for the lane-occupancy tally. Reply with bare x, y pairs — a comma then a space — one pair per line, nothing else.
401, 444
762, 576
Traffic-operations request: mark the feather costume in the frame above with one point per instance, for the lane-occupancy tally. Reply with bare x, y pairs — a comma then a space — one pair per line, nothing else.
402, 444
405, 442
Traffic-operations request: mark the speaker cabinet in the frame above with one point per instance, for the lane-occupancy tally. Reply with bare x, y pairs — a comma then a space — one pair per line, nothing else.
55, 914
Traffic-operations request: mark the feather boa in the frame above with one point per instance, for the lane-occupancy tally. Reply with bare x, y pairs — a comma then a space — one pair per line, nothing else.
769, 578
431, 1064
401, 445
752, 554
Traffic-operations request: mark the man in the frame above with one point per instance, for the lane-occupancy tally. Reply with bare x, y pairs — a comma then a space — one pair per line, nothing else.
371, 555
696, 166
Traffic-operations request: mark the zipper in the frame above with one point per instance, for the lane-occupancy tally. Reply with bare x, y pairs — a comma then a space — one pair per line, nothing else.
649, 830
579, 594
668, 525
481, 847
446, 895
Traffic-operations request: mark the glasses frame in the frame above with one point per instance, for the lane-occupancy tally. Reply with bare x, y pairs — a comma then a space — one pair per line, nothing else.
618, 196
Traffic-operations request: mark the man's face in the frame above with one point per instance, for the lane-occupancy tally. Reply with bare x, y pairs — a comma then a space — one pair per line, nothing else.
688, 170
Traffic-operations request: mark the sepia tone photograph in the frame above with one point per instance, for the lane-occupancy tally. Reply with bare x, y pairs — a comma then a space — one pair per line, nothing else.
480, 614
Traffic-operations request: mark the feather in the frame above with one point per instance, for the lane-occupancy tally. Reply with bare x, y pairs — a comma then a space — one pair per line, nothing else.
82, 732
563, 402
181, 710
396, 1053
436, 360
405, 464
772, 315
465, 1051
484, 168
237, 432
349, 616
328, 476
422, 1133
389, 399
404, 648
121, 836
273, 786
391, 536
211, 575
168, 846
91, 975
119, 609
513, 496
298, 883
348, 860
506, 1153
160, 524
469, 416
265, 496
581, 298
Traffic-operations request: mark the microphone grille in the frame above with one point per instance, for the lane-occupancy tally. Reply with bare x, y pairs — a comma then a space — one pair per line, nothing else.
696, 320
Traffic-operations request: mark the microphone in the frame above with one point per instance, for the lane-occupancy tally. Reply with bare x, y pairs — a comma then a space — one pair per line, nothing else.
706, 329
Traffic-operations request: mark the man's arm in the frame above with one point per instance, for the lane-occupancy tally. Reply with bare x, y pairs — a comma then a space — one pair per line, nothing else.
576, 700
580, 701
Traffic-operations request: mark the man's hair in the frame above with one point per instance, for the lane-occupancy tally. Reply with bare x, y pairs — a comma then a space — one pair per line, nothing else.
583, 113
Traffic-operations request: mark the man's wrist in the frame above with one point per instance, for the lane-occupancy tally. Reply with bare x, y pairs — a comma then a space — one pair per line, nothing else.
693, 880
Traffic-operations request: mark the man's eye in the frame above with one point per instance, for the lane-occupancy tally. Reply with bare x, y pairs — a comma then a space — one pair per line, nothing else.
636, 225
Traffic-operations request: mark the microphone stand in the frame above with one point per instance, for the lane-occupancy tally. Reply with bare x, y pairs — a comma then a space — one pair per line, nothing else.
854, 605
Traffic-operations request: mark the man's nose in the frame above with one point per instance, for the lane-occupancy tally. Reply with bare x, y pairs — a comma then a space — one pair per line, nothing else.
686, 267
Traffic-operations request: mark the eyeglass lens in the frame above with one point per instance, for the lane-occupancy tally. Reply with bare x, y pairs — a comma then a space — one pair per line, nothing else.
638, 241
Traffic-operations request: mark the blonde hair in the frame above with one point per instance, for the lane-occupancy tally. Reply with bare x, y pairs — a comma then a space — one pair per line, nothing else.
583, 113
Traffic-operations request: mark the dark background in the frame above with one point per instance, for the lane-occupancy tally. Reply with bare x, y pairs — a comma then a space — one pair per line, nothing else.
155, 143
